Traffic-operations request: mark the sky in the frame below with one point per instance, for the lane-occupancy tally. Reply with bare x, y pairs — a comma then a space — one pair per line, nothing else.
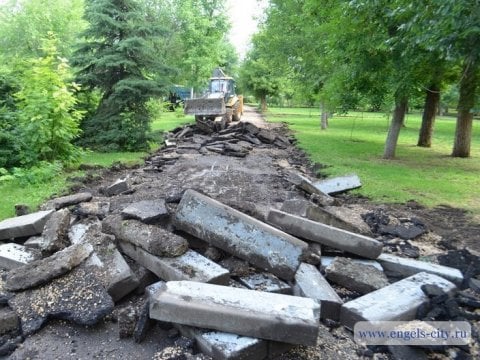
242, 14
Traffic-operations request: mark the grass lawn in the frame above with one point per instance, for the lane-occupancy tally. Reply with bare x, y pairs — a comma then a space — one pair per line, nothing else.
13, 192
354, 143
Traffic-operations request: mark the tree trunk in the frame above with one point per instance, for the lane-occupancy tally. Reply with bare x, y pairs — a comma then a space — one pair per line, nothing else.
263, 102
323, 117
432, 100
466, 101
394, 131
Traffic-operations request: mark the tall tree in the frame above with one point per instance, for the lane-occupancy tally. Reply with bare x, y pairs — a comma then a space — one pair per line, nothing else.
25, 23
117, 57
454, 32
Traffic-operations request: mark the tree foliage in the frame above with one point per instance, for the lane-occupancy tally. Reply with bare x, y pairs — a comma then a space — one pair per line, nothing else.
25, 23
117, 57
46, 102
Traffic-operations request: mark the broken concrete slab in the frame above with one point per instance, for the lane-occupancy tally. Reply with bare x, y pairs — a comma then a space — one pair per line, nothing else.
327, 260
355, 276
118, 187
15, 255
226, 346
339, 217
326, 235
310, 283
339, 184
396, 302
265, 282
147, 211
239, 234
99, 209
121, 280
24, 226
154, 239
245, 312
55, 233
65, 201
189, 266
39, 272
77, 296
403, 267
113, 271
304, 184
9, 321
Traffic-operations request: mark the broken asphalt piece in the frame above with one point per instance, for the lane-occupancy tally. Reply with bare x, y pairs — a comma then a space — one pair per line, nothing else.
403, 267
245, 312
327, 260
15, 255
226, 346
147, 211
55, 233
265, 282
39, 272
305, 184
236, 266
113, 271
66, 201
154, 239
24, 226
189, 266
118, 187
404, 352
405, 230
99, 209
355, 276
310, 283
339, 217
326, 235
239, 234
339, 184
77, 296
143, 324
396, 302
9, 321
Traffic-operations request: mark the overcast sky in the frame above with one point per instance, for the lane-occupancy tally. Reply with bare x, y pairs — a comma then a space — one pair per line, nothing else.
242, 15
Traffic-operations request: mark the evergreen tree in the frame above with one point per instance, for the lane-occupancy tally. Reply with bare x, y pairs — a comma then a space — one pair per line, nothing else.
117, 57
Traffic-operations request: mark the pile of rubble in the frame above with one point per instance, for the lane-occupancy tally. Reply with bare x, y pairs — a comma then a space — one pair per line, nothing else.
238, 286
237, 140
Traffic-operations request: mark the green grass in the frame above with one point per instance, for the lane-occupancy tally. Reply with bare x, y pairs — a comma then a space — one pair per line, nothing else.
354, 143
13, 192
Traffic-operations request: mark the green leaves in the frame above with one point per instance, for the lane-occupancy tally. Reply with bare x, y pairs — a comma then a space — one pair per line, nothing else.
48, 121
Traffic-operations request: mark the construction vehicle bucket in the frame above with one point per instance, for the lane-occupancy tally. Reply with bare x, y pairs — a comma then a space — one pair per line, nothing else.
205, 107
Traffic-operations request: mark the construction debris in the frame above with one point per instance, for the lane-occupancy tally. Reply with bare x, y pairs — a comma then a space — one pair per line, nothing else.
360, 278
15, 255
403, 267
42, 271
326, 235
398, 301
188, 266
182, 245
244, 312
24, 226
338, 185
310, 283
153, 239
232, 231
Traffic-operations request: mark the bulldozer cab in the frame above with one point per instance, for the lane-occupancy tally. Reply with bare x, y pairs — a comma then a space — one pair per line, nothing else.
224, 85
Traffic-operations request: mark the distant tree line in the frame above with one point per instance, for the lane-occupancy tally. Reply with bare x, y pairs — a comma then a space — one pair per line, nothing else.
374, 55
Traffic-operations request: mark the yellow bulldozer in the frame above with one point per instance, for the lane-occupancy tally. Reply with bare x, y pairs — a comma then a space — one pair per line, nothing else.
220, 101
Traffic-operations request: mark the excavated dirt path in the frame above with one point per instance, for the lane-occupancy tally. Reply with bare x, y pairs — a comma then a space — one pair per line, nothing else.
252, 184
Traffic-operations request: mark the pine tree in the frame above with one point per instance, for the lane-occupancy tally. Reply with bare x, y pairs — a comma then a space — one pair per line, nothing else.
117, 58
